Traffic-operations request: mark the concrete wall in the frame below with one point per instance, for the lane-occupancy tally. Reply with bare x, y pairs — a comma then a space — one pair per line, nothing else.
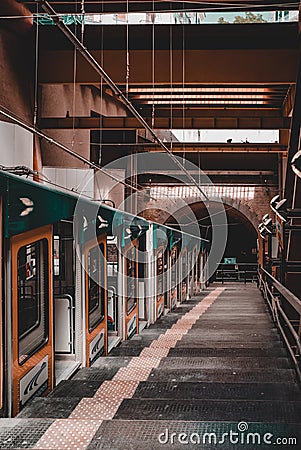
16, 146
79, 141
78, 180
60, 100
16, 84
107, 188
17, 73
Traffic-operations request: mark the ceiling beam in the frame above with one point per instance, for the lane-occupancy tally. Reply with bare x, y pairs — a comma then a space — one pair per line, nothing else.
214, 172
203, 147
265, 66
131, 123
256, 36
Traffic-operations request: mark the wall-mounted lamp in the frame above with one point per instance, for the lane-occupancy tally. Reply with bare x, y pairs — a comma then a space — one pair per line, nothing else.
279, 207
296, 163
266, 226
262, 231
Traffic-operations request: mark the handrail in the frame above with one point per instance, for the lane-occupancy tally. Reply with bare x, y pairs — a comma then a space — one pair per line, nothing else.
294, 301
267, 285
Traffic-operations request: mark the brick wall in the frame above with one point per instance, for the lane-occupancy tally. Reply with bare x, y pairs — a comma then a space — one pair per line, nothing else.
253, 209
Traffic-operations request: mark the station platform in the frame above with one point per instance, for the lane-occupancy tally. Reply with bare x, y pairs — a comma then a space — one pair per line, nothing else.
212, 374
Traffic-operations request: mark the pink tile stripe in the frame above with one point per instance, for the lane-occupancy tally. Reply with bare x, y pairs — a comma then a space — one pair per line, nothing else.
69, 434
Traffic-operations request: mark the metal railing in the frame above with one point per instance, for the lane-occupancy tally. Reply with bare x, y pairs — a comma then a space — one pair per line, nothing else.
286, 312
241, 272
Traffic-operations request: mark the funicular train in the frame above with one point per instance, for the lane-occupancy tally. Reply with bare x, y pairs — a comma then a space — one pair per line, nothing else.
78, 277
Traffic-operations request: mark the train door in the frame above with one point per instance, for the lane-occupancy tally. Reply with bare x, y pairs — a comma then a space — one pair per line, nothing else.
96, 308
174, 278
32, 337
67, 357
112, 293
160, 288
131, 290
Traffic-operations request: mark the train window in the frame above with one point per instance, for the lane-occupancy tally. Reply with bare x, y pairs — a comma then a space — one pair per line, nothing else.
160, 275
33, 297
95, 286
131, 273
112, 260
56, 255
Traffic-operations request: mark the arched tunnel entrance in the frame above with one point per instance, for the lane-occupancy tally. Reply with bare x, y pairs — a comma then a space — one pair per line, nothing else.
241, 243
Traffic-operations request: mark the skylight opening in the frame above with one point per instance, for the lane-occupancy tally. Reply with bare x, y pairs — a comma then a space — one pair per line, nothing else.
228, 136
192, 89
214, 191
206, 102
202, 97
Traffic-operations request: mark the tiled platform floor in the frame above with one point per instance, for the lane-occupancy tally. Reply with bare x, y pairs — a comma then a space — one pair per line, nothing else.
211, 374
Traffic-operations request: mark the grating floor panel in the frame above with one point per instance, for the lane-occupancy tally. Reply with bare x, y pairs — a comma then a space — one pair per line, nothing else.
54, 408
170, 409
223, 352
107, 362
222, 326
210, 390
22, 433
218, 343
240, 338
76, 388
247, 363
231, 334
224, 376
95, 374
127, 351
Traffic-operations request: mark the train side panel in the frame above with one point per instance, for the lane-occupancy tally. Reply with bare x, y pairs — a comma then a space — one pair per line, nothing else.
32, 315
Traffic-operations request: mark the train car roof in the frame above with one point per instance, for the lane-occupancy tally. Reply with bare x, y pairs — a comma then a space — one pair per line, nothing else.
29, 204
